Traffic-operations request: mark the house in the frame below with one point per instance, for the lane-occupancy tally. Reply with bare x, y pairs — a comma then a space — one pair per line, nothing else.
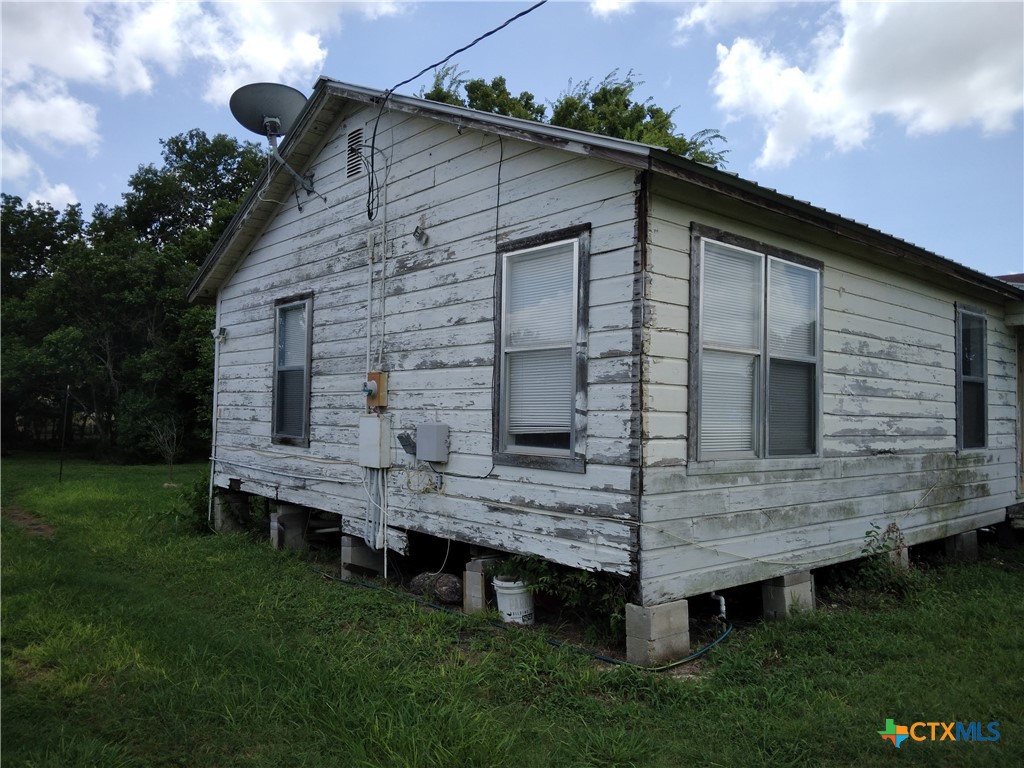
538, 340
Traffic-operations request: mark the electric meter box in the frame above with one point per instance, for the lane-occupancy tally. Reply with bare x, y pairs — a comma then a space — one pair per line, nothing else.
432, 442
374, 441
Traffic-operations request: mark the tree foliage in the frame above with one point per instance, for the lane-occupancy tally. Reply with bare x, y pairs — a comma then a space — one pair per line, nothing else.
96, 312
607, 108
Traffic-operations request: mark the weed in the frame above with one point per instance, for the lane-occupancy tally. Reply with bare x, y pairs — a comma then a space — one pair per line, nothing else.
885, 567
190, 513
599, 599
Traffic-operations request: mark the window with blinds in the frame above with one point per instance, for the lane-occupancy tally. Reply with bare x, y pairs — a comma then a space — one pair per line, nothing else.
971, 379
291, 371
760, 355
538, 348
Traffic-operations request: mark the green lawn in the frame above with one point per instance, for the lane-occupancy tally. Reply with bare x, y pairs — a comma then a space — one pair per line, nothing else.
129, 642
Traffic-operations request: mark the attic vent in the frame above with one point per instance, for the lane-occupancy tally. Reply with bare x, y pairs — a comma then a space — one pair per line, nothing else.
355, 153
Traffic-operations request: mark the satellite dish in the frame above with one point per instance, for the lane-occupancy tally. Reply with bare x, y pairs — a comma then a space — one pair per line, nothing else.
269, 109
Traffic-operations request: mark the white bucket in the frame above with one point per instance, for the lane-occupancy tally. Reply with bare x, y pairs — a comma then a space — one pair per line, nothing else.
515, 601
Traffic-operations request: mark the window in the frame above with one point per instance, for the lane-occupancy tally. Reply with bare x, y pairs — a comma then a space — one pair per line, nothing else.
292, 355
759, 353
971, 394
541, 361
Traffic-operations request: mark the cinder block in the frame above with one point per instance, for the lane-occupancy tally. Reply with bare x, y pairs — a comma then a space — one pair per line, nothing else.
292, 522
474, 584
354, 551
228, 508
900, 558
787, 594
963, 546
656, 633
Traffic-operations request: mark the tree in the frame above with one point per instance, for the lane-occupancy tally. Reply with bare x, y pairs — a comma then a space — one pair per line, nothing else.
100, 307
608, 109
34, 241
188, 193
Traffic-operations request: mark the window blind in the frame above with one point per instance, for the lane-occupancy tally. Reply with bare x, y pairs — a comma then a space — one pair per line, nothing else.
732, 297
539, 327
727, 391
290, 404
792, 310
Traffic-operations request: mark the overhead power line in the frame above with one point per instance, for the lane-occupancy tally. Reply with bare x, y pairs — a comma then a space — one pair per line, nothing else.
371, 197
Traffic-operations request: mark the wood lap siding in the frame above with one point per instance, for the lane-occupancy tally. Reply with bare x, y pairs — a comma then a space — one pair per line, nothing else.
439, 338
889, 427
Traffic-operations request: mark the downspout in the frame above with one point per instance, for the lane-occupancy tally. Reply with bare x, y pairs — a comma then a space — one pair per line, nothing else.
219, 334
640, 315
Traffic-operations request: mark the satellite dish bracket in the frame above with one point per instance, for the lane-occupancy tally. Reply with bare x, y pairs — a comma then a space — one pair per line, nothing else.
306, 182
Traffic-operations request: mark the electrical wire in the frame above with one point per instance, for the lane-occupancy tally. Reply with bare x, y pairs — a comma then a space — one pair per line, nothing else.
371, 197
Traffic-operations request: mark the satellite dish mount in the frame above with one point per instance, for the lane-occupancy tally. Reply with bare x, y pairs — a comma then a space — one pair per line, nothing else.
271, 109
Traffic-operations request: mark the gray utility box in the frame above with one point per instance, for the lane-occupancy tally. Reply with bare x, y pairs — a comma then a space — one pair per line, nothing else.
432, 442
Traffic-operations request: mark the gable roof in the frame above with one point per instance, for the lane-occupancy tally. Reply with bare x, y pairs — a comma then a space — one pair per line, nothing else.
314, 127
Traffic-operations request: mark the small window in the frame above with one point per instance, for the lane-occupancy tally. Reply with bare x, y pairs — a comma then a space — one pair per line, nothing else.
971, 380
759, 354
292, 355
539, 373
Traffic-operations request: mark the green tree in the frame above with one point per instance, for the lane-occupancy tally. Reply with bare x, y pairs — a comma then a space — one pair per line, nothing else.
608, 108
34, 241
100, 307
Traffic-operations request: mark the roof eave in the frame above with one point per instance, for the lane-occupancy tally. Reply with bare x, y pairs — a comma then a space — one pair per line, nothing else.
330, 97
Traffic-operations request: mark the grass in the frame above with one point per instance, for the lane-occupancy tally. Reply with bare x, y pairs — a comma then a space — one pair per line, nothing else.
127, 642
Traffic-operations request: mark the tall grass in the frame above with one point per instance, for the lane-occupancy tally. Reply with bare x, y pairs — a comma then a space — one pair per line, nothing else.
127, 642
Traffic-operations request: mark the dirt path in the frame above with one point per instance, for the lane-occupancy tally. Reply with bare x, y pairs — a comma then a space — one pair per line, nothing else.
30, 523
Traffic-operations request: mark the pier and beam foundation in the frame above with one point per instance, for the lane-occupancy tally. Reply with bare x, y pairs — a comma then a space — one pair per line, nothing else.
657, 633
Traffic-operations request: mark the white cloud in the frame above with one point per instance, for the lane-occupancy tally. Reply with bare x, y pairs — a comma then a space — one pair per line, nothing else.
48, 115
157, 34
15, 163
60, 40
931, 66
376, 9
18, 167
59, 196
251, 42
715, 15
606, 8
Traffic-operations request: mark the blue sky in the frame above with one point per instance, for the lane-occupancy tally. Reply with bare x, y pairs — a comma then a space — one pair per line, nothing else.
904, 116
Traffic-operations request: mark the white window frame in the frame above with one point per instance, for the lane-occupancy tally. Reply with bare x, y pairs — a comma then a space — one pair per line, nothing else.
298, 437
962, 377
761, 355
505, 449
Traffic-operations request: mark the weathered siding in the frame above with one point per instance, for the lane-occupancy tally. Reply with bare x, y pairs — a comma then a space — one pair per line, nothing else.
889, 422
431, 325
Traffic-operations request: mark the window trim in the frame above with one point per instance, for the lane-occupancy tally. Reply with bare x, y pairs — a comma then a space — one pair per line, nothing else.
574, 458
961, 310
697, 460
288, 302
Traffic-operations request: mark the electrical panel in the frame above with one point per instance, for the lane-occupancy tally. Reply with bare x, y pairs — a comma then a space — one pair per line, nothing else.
432, 442
374, 441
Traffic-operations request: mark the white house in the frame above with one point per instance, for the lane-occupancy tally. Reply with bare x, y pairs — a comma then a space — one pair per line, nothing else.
606, 355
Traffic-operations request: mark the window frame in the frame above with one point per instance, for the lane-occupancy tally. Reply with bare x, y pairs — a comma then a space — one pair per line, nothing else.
305, 300
962, 377
571, 459
758, 457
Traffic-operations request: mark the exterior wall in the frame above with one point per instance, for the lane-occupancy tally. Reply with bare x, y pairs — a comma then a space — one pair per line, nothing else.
889, 421
430, 324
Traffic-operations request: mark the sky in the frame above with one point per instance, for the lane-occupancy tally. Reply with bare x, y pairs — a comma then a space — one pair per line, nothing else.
905, 116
